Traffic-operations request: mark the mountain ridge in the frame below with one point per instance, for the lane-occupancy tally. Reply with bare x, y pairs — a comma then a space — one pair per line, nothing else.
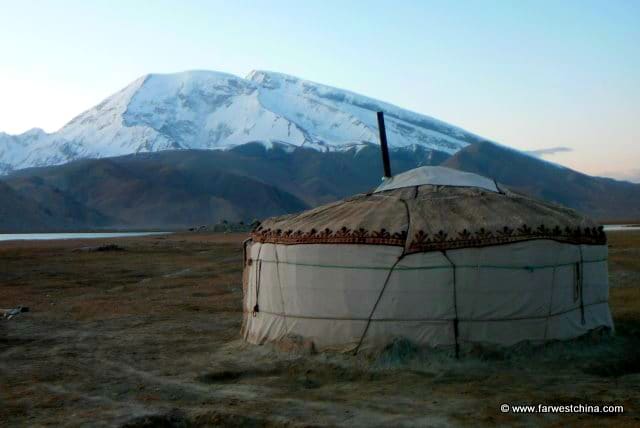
213, 110
601, 197
180, 189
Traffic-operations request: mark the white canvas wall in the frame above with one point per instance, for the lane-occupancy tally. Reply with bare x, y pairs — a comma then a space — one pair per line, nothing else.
504, 294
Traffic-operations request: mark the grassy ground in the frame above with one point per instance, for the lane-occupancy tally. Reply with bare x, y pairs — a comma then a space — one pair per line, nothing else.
148, 336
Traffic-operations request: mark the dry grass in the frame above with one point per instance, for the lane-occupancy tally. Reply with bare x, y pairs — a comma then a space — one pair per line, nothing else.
148, 336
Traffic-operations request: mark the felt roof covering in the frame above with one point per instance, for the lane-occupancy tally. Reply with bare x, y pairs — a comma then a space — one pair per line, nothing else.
432, 217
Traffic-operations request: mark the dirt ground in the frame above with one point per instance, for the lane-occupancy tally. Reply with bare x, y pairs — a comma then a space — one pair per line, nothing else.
148, 335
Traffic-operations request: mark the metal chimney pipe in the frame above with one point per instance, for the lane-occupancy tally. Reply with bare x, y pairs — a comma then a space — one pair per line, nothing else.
383, 145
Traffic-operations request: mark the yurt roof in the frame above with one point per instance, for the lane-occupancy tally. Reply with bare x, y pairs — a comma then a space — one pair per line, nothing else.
433, 208
438, 176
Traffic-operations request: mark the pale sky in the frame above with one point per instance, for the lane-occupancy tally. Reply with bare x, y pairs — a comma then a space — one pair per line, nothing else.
533, 75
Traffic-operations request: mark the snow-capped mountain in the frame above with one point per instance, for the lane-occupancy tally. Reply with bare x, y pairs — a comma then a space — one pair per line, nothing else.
212, 110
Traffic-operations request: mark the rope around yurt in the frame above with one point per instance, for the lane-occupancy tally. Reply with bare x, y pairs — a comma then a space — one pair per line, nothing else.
455, 305
580, 277
386, 281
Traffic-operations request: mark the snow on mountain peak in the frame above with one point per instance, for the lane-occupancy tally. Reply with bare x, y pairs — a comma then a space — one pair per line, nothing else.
213, 110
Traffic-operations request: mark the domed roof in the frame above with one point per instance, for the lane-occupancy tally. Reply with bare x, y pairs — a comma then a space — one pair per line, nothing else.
433, 208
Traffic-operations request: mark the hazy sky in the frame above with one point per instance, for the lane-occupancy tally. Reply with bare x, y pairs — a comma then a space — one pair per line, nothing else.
533, 75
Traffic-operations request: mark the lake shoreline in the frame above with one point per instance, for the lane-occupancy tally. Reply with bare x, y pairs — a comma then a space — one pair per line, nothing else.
57, 236
4, 237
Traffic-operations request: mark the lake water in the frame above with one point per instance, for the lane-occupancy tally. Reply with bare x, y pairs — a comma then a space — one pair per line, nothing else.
619, 227
52, 236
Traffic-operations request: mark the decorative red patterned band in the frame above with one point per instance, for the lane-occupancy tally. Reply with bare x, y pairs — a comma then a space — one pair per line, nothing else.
423, 242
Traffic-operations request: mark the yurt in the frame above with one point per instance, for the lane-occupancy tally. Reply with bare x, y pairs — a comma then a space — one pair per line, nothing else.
435, 256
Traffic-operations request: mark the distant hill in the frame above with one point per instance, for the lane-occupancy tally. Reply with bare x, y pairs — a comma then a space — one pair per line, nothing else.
185, 188
143, 192
20, 213
601, 198
191, 188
